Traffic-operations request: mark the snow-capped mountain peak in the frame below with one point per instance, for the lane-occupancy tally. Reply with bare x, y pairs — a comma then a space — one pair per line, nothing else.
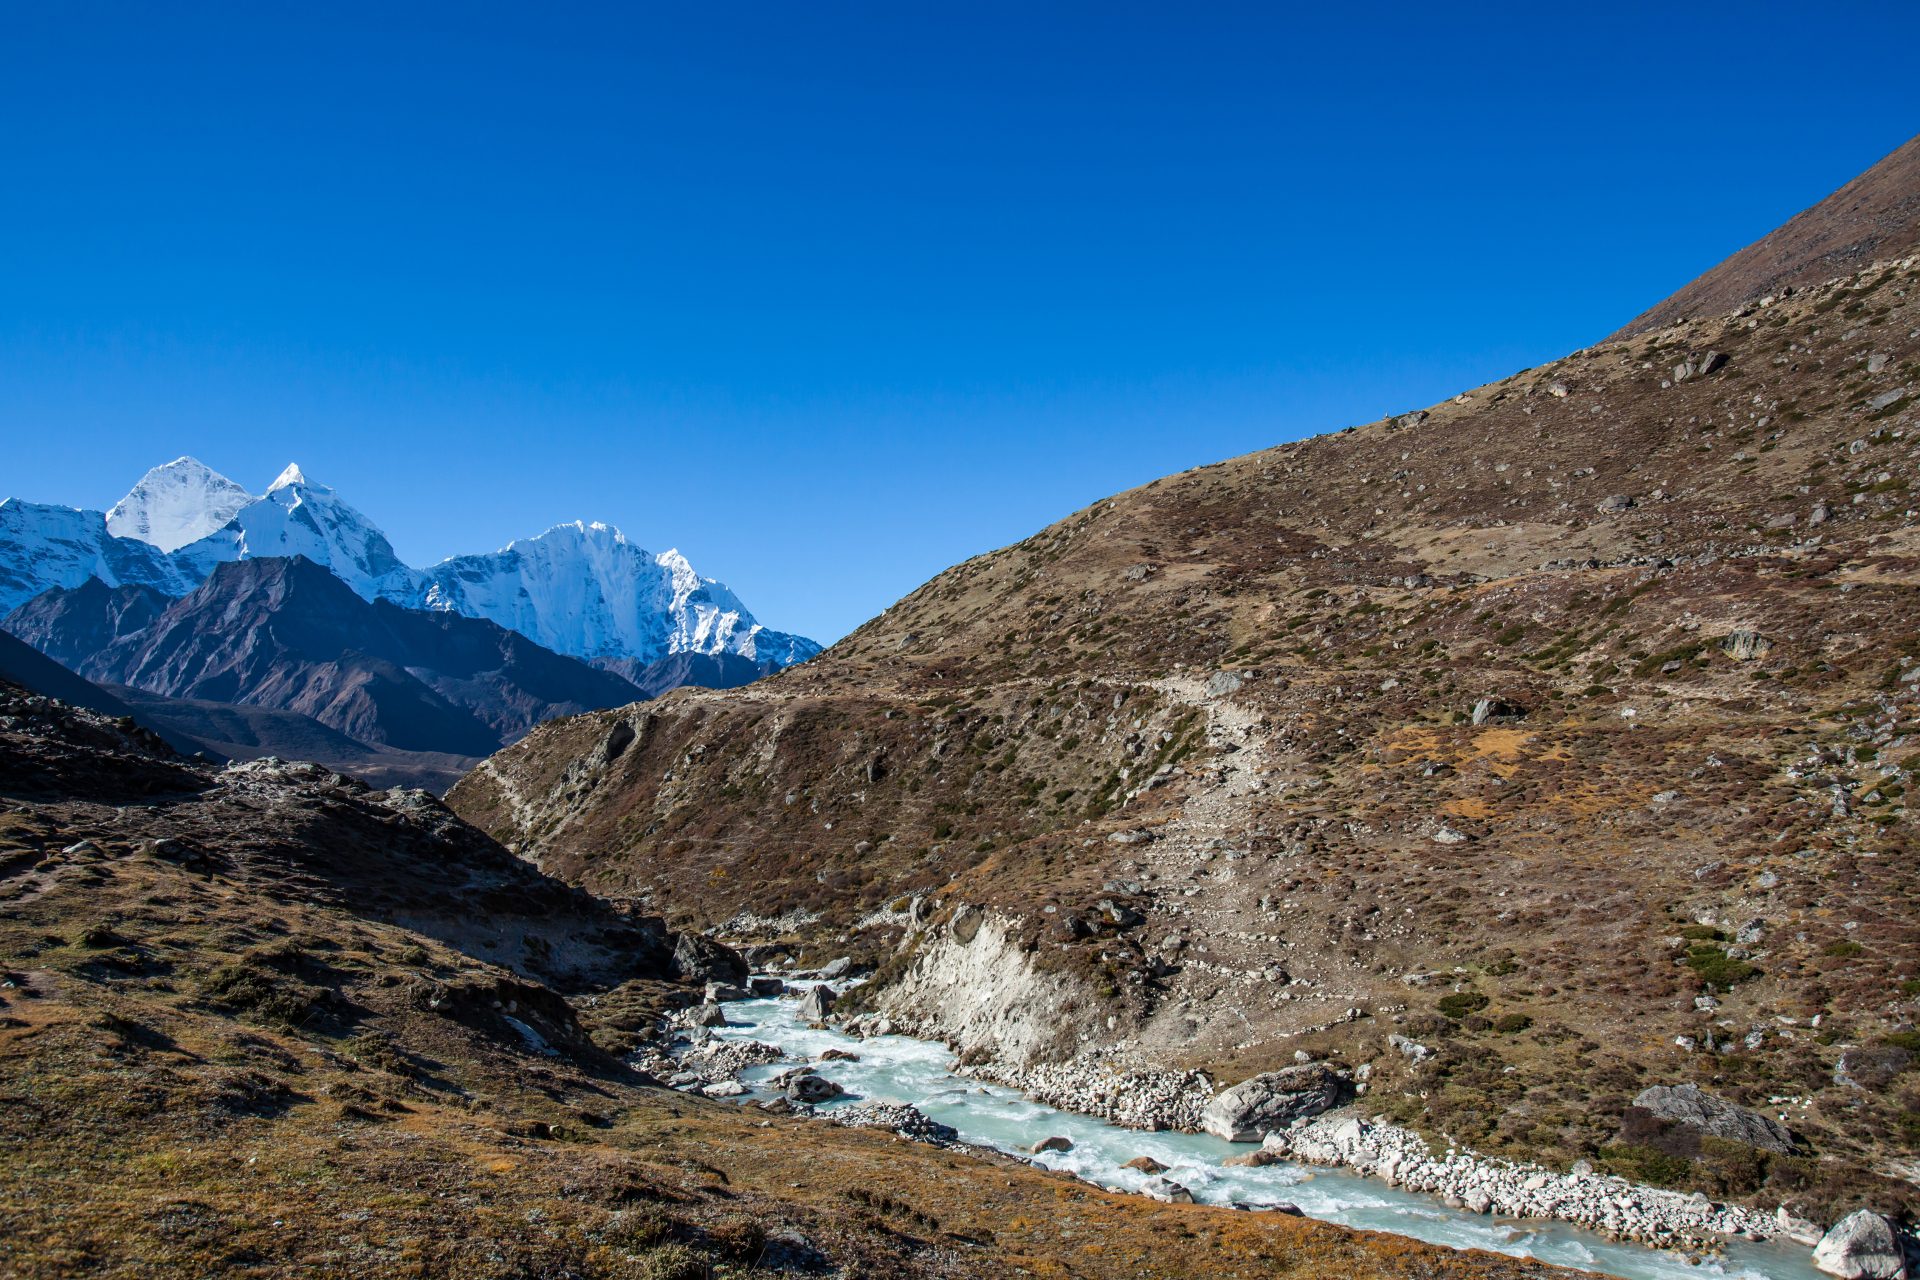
300, 518
293, 475
175, 504
581, 588
585, 589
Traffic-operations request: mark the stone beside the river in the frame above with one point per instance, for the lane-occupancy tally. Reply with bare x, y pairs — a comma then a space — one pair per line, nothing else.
1054, 1143
1166, 1191
1253, 1108
1862, 1246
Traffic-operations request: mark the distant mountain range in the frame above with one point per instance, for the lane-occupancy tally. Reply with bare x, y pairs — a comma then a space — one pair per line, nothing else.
286, 624
579, 589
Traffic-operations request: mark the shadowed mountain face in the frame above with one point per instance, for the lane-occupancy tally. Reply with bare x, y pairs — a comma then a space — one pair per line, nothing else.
1874, 218
287, 634
1590, 697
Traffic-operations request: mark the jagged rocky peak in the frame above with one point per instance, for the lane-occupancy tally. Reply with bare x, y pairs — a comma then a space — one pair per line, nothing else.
177, 503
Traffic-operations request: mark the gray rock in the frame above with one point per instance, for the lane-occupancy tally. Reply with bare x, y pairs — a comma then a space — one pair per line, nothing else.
1253, 1107
706, 1015
1613, 504
1411, 1050
807, 1087
1861, 1246
1886, 398
1690, 1106
838, 968
1745, 646
817, 1003
1166, 1191
718, 992
1876, 362
1497, 711
766, 986
698, 959
1224, 683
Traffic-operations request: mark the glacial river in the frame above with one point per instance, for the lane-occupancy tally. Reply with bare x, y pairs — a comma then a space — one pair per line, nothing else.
919, 1072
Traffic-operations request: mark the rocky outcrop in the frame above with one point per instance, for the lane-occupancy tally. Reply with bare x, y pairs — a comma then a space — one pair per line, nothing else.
1253, 1108
972, 986
1692, 1108
701, 959
1862, 1246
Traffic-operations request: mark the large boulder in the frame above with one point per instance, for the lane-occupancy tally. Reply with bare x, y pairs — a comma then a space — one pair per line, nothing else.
698, 959
817, 1004
1862, 1246
1252, 1108
1690, 1107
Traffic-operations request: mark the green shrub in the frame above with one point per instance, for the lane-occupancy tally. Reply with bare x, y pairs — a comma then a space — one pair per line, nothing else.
1703, 933
1843, 947
1718, 969
1508, 1024
1462, 1003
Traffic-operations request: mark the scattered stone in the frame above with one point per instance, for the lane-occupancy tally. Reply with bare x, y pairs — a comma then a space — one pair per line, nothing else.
1447, 835
1166, 1191
1497, 711
908, 1122
1411, 1050
1613, 504
1145, 1164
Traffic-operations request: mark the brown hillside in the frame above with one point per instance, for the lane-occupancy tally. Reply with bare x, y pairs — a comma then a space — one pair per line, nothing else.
1210, 746
265, 1022
1872, 218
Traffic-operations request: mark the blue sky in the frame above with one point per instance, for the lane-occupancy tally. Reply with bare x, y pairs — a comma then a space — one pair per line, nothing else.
833, 296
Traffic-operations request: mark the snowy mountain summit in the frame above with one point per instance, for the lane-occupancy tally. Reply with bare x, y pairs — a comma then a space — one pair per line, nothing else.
579, 589
585, 590
180, 502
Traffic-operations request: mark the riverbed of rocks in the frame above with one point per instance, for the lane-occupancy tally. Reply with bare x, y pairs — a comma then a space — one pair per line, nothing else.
1122, 1095
1482, 1184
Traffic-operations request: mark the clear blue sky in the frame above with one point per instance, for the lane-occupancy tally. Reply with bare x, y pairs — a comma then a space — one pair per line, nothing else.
833, 296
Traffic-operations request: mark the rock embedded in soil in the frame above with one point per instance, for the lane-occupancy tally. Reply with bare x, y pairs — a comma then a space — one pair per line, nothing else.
1693, 1108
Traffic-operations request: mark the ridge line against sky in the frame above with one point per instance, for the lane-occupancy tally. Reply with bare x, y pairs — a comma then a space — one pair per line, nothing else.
830, 300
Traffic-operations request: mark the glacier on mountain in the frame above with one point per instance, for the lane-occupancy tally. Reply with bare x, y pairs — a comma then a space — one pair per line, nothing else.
180, 502
44, 546
579, 589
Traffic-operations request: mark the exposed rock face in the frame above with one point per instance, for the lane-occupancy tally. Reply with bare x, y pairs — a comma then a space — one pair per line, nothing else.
1689, 1106
1254, 1108
702, 959
1862, 1246
987, 997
